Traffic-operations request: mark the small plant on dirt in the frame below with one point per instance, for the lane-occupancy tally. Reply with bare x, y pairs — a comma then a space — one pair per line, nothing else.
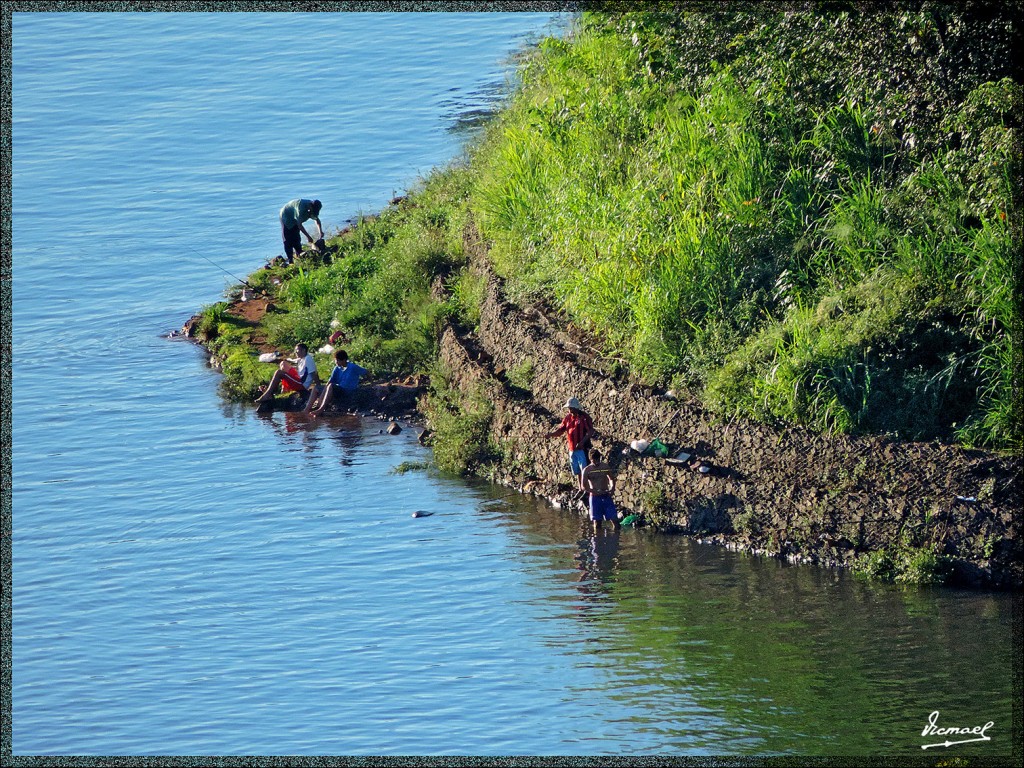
210, 319
461, 425
521, 375
654, 505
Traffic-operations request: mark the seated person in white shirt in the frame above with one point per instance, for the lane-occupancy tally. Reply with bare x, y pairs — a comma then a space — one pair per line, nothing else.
302, 378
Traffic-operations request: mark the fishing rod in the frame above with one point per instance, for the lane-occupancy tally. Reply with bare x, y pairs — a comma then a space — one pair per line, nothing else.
259, 291
218, 266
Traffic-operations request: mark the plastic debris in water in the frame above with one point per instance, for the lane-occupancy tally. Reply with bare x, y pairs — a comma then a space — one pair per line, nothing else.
968, 499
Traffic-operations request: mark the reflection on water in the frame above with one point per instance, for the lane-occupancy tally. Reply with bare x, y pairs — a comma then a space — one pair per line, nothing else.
713, 651
597, 561
469, 112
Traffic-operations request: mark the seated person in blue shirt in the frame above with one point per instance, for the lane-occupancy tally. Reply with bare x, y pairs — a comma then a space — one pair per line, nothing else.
344, 378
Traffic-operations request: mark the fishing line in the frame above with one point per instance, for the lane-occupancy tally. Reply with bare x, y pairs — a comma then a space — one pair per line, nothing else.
218, 266
258, 291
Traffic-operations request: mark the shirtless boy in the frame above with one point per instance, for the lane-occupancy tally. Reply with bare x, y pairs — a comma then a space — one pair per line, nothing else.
597, 481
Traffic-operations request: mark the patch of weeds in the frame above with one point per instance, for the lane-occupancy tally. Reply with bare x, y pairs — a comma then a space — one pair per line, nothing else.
267, 281
521, 375
461, 426
210, 319
410, 466
310, 325
922, 566
243, 375
876, 565
509, 456
745, 521
654, 505
232, 333
988, 546
305, 288
468, 292
905, 565
849, 479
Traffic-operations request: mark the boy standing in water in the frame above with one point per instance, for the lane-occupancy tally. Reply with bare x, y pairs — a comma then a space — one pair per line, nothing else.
597, 481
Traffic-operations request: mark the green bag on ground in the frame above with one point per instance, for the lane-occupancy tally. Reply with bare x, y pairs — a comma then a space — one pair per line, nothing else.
657, 448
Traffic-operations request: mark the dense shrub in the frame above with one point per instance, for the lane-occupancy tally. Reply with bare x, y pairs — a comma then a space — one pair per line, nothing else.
461, 425
730, 195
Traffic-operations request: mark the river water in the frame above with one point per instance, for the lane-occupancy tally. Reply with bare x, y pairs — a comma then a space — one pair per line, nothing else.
191, 578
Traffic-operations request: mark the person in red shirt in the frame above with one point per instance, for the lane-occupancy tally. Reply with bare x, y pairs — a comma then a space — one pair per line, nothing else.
578, 428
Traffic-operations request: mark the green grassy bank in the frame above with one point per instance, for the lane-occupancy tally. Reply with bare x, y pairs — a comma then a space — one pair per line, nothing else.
803, 214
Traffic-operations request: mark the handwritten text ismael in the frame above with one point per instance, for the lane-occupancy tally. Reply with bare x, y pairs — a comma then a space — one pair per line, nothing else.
933, 729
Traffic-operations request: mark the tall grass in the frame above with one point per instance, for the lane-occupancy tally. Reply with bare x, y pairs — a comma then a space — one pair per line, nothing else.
376, 288
718, 237
630, 205
792, 237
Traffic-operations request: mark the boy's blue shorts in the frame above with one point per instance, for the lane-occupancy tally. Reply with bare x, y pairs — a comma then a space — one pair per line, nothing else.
602, 508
